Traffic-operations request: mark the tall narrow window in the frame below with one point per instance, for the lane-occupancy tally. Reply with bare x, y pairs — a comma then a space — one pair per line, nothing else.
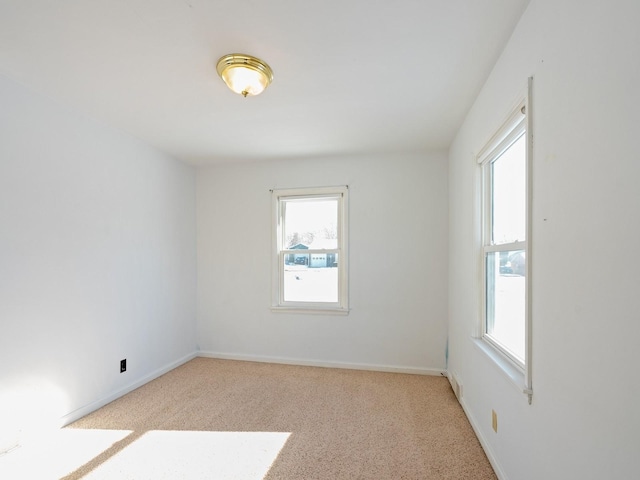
310, 255
505, 239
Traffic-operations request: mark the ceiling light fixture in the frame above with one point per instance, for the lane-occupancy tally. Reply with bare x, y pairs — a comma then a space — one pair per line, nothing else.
244, 74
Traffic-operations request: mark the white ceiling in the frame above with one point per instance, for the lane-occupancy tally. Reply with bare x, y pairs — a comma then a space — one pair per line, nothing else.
350, 76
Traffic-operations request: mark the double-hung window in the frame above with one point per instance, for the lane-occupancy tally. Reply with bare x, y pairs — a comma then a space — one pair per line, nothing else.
310, 250
504, 163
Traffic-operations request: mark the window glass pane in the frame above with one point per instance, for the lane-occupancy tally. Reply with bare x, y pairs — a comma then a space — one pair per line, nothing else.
509, 196
311, 223
505, 302
311, 277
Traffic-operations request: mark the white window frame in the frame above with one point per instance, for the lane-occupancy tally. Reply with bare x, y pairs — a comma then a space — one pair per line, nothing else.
518, 123
278, 304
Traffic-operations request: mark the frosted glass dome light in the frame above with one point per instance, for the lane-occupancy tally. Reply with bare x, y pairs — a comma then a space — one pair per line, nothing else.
244, 74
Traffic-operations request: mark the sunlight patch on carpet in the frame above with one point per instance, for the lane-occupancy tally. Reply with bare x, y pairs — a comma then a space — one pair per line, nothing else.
54, 455
162, 454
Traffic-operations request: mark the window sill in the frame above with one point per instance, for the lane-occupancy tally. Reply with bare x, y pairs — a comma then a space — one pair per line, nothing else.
514, 374
311, 311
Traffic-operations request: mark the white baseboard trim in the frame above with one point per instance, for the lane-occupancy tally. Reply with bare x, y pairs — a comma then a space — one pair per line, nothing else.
93, 406
483, 441
320, 363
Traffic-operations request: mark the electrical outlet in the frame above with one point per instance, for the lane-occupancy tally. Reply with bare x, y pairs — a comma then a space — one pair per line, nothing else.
494, 421
123, 365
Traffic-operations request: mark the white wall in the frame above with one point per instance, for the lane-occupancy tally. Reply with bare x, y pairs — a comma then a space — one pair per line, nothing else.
398, 264
97, 261
584, 421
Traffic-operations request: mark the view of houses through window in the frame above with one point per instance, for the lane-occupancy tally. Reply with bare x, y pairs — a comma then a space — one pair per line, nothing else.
311, 237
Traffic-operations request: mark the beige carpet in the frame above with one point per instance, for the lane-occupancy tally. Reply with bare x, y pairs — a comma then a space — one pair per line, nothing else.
221, 419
